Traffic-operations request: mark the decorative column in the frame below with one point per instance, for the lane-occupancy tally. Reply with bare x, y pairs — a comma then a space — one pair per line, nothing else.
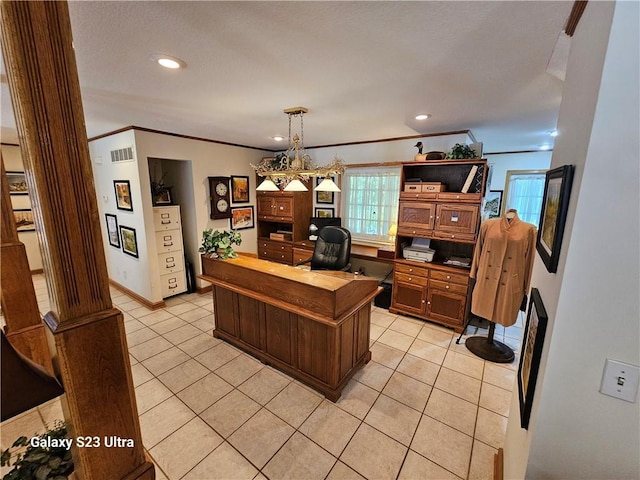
89, 333
24, 329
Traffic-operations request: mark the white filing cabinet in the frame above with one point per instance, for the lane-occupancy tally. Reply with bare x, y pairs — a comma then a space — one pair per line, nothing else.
168, 229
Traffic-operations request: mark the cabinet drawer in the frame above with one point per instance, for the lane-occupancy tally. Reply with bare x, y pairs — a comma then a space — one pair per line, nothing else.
460, 197
411, 270
170, 262
169, 241
448, 287
172, 284
418, 195
166, 218
276, 256
449, 277
411, 279
456, 237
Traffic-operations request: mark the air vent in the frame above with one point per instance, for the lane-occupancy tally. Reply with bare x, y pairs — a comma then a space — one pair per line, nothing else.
122, 155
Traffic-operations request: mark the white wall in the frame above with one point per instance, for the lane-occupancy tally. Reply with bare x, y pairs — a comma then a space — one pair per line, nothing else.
12, 159
500, 164
592, 301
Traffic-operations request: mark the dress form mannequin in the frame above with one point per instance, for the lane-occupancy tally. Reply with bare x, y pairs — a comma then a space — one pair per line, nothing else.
501, 268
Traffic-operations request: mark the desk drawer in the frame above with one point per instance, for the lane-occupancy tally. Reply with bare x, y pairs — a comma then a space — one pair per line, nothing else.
275, 251
169, 241
411, 270
301, 254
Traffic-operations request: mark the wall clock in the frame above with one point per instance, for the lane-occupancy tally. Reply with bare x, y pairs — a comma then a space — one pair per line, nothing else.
220, 203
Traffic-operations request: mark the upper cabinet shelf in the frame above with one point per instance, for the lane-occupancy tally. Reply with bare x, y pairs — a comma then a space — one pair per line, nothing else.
453, 174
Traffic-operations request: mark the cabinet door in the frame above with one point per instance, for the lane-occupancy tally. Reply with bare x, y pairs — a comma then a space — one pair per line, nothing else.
446, 307
409, 297
265, 206
415, 218
457, 218
284, 208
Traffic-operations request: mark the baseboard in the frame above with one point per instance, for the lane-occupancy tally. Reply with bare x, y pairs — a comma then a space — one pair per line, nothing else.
203, 290
498, 465
138, 298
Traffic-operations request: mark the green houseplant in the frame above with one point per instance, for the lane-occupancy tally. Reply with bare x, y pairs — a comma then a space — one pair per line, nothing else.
219, 243
39, 462
459, 151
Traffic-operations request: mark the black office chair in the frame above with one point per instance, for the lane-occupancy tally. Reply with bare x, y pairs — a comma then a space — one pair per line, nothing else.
332, 250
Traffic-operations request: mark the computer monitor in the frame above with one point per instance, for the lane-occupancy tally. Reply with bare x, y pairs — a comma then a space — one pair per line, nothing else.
318, 223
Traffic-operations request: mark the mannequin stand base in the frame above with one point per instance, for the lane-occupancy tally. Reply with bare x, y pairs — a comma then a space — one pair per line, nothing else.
491, 350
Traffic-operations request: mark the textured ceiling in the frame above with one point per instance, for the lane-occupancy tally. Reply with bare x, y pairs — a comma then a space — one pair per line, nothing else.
363, 69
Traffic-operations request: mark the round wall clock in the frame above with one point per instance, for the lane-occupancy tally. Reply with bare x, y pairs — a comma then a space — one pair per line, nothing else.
219, 188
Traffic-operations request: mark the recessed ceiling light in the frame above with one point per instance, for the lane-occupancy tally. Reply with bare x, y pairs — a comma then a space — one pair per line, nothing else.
278, 138
544, 147
553, 133
167, 61
423, 116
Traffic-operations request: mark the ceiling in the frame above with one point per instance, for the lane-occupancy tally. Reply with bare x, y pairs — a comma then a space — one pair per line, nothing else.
363, 69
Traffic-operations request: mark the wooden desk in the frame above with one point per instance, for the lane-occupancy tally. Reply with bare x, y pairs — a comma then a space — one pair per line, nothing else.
313, 325
304, 249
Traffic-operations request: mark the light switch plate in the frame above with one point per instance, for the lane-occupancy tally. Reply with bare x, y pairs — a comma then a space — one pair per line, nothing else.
620, 380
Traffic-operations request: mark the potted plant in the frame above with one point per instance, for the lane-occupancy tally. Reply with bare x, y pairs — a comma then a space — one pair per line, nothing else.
459, 151
218, 244
39, 462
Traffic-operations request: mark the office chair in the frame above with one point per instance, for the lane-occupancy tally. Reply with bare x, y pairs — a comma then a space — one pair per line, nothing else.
332, 250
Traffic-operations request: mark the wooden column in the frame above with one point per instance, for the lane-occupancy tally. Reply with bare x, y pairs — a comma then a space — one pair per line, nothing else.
89, 333
24, 328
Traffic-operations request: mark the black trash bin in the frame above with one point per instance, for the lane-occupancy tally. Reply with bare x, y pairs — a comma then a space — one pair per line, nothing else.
383, 300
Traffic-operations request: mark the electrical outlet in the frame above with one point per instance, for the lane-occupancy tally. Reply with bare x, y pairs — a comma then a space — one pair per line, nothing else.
620, 380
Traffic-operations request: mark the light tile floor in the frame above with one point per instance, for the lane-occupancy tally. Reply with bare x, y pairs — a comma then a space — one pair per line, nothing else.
424, 407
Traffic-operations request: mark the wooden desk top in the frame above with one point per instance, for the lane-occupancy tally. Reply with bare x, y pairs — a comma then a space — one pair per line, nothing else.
327, 294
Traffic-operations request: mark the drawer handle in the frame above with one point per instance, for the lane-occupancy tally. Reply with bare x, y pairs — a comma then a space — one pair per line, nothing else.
448, 277
453, 236
422, 301
411, 269
457, 196
164, 215
410, 278
171, 266
165, 222
170, 244
171, 287
414, 231
447, 286
281, 248
428, 303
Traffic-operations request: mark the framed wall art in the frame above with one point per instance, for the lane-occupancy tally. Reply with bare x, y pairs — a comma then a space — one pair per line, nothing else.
123, 195
239, 189
492, 207
242, 217
163, 197
112, 230
555, 203
24, 220
129, 241
532, 343
324, 212
324, 197
17, 183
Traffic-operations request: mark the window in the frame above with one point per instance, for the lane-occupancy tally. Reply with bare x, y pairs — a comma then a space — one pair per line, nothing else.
370, 202
524, 190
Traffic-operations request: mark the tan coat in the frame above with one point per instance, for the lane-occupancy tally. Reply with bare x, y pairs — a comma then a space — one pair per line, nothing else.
502, 264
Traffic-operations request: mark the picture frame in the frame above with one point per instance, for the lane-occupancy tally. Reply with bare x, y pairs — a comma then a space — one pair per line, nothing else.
532, 344
17, 183
123, 195
325, 212
324, 197
555, 203
24, 220
239, 189
242, 218
129, 241
164, 197
492, 206
112, 230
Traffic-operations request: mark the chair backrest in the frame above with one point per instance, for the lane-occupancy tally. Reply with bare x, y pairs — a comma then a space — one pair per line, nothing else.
332, 250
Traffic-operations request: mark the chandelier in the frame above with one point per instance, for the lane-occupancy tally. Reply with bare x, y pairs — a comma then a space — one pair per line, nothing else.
295, 166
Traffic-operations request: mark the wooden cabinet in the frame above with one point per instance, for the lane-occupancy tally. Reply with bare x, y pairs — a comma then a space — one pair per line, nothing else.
451, 219
168, 227
284, 213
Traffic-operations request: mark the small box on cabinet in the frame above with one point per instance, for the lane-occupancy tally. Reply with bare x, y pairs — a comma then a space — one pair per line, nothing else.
415, 187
